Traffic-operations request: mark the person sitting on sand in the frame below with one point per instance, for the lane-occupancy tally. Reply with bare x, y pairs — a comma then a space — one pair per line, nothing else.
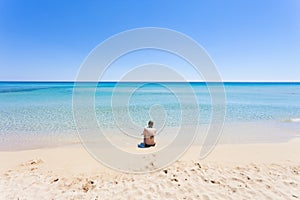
149, 133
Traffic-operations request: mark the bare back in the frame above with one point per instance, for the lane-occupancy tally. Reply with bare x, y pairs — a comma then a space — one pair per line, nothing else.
149, 134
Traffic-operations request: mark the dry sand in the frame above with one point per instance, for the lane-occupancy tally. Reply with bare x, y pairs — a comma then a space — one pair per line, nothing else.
248, 171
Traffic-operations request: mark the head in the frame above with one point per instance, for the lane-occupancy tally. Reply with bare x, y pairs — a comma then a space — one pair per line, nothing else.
150, 124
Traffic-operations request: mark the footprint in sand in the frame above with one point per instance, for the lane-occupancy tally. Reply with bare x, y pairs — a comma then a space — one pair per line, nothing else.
88, 186
55, 180
32, 162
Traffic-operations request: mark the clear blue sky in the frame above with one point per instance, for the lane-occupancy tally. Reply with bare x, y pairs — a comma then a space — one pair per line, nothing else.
247, 39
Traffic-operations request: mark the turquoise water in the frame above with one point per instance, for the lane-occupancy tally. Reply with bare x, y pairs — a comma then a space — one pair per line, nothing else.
45, 108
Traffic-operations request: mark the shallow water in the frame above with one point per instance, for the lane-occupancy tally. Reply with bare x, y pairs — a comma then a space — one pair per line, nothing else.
33, 112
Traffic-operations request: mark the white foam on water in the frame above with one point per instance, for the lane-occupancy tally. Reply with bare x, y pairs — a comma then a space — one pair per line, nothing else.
295, 119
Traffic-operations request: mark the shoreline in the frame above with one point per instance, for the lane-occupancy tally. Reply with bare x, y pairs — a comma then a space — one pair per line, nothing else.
234, 133
251, 160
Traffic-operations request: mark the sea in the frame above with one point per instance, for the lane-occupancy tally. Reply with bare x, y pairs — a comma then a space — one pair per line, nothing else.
41, 114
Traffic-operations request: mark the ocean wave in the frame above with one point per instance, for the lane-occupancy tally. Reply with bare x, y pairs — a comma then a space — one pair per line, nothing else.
294, 120
29, 89
8, 90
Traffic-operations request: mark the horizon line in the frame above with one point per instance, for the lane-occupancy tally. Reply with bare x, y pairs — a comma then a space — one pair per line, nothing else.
190, 81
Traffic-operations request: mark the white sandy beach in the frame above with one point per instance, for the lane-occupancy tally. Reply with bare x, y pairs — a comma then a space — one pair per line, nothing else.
240, 171
149, 100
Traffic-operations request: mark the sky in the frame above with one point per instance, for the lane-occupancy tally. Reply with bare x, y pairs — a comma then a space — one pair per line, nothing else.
248, 40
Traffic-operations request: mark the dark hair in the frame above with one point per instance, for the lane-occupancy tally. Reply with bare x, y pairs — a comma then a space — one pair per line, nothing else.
150, 124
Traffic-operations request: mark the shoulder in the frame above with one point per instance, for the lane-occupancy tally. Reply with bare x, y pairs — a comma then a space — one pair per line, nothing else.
151, 130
